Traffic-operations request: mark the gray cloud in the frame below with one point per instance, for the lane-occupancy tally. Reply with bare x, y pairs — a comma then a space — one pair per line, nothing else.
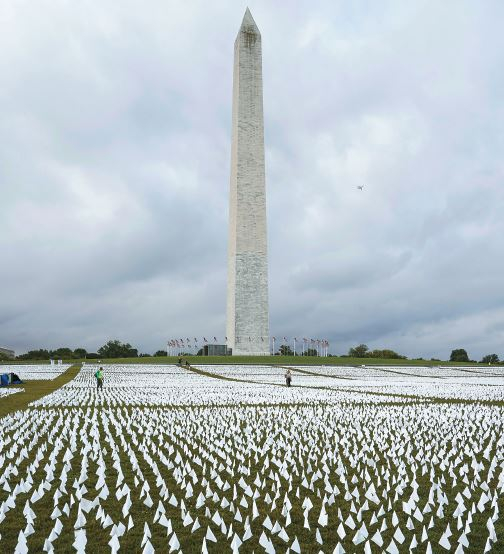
114, 171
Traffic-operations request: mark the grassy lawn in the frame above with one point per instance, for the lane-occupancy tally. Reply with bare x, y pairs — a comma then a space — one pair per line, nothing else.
259, 360
202, 460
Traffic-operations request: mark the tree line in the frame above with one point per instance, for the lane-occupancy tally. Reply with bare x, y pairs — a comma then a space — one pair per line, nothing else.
117, 349
112, 349
457, 355
362, 351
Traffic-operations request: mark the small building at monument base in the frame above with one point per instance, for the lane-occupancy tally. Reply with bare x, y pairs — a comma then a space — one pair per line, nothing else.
216, 350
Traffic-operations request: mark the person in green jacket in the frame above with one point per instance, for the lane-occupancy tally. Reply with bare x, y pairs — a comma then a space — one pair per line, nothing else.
99, 378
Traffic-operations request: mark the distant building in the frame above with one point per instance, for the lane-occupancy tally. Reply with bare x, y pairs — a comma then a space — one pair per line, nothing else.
8, 353
216, 350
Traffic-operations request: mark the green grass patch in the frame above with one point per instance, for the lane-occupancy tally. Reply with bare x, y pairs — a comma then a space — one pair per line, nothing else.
261, 360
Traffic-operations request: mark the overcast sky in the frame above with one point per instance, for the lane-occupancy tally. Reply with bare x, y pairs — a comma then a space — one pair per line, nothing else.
114, 171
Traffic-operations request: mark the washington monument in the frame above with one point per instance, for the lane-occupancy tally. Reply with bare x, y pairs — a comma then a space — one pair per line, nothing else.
247, 293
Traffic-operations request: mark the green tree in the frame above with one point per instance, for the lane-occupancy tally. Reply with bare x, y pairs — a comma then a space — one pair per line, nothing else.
80, 353
62, 352
490, 359
386, 353
40, 354
459, 355
310, 352
285, 350
160, 353
360, 351
116, 349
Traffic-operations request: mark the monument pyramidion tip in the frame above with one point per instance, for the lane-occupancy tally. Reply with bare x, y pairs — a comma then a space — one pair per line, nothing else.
248, 24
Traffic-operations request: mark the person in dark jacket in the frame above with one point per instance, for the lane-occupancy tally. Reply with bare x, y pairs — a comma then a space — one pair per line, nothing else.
288, 377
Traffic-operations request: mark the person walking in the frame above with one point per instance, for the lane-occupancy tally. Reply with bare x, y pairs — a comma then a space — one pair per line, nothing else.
99, 379
288, 377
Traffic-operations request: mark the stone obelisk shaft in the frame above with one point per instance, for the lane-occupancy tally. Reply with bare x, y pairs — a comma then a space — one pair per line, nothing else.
247, 298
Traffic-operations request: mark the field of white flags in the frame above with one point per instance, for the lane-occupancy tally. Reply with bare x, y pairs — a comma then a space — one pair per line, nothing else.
8, 391
228, 459
35, 372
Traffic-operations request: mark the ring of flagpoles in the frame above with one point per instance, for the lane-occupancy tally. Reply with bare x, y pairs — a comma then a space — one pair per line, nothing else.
298, 346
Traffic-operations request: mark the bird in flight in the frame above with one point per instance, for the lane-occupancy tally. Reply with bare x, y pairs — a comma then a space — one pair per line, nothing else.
361, 187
